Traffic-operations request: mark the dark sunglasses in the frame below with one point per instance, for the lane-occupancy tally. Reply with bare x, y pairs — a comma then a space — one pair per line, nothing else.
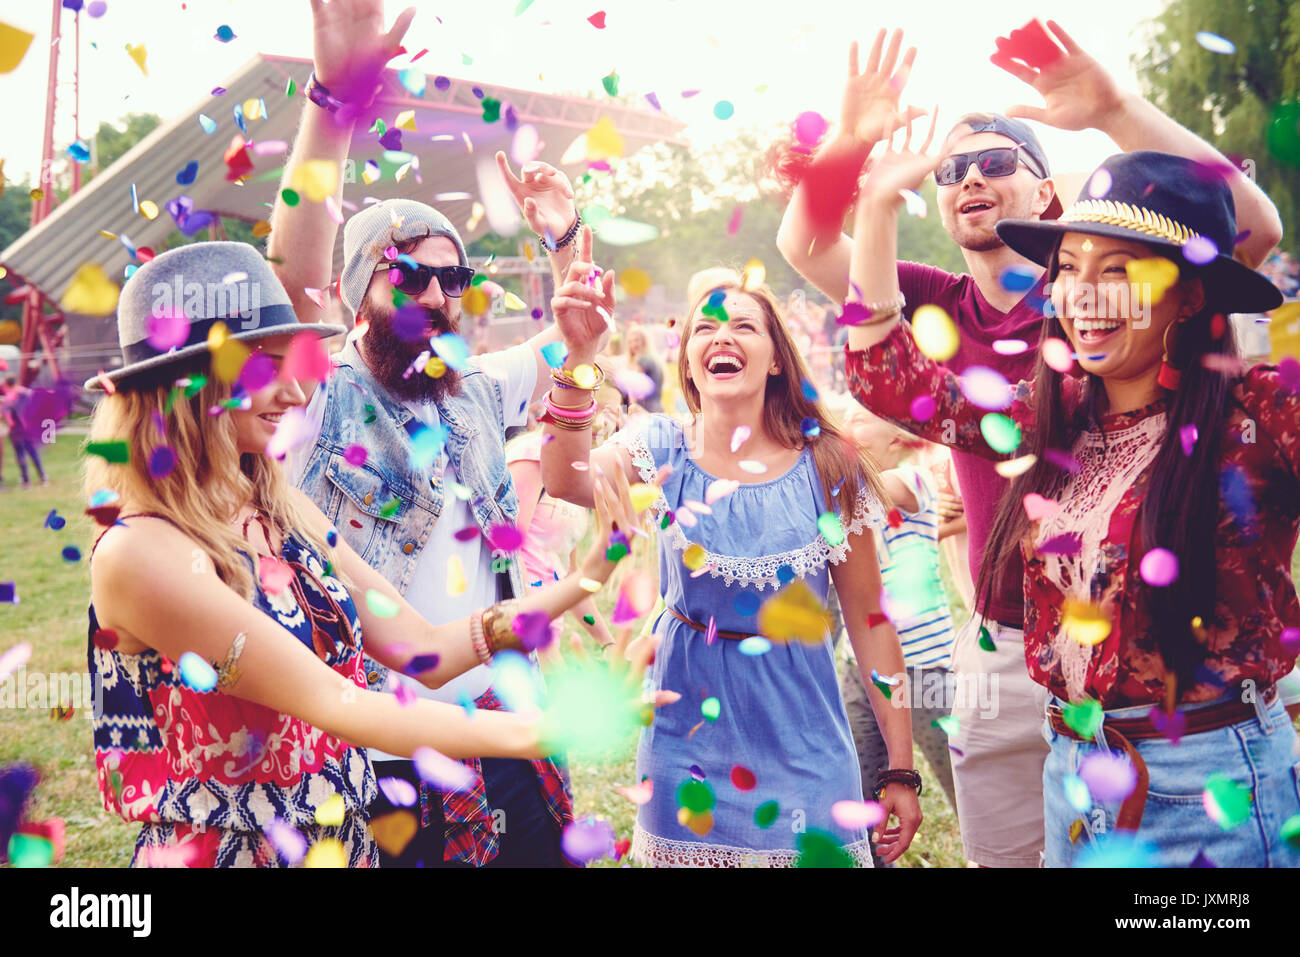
997, 161
413, 278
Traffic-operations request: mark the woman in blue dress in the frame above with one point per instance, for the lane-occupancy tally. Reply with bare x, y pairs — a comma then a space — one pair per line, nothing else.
758, 750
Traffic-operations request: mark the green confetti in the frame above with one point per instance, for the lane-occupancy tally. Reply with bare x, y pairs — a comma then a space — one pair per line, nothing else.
1083, 718
171, 399
117, 451
1228, 803
986, 640
380, 605
523, 5
1000, 432
491, 110
589, 619
389, 508
1291, 831
291, 88
616, 552
370, 415
832, 529
947, 724
466, 60
379, 127
666, 520
196, 383
885, 687
30, 850
711, 708
610, 83
696, 796
765, 814
289, 196
819, 849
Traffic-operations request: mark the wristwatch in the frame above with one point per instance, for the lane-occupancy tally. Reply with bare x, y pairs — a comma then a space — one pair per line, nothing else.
897, 776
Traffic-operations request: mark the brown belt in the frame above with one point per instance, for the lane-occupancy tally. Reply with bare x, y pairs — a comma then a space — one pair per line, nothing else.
1122, 732
732, 635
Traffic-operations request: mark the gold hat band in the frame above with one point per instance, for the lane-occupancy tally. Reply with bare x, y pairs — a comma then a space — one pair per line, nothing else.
1137, 218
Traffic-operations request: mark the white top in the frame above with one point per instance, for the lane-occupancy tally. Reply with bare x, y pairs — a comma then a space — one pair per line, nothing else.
516, 369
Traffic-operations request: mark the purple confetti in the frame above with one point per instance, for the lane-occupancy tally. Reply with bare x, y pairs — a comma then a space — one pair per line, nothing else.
1188, 436
1068, 544
400, 792
1110, 777
286, 840
355, 455
653, 101
442, 83
258, 372
1062, 460
1200, 250
505, 537
587, 839
923, 408
441, 771
161, 462
533, 629
420, 664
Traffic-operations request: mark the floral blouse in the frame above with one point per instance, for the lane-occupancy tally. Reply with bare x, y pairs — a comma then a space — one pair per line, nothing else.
1088, 549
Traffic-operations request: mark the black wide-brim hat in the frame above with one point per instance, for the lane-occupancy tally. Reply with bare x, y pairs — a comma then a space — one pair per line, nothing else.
1165, 202
206, 284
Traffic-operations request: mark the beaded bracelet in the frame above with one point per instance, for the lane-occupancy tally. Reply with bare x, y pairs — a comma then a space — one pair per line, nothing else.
875, 307
879, 318
476, 636
564, 240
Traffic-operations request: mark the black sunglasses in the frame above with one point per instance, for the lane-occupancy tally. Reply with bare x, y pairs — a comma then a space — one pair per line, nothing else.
997, 161
413, 278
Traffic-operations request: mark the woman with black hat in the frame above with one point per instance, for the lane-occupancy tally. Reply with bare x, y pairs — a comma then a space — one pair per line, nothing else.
1156, 504
227, 615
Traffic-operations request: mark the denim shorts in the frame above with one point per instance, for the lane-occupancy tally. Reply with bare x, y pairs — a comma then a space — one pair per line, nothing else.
1259, 753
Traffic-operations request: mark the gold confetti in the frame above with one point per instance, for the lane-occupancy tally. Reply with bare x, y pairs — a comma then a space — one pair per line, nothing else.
694, 557
1084, 622
330, 814
228, 355
643, 496
795, 613
393, 831
755, 275
91, 292
315, 179
935, 333
149, 209
1151, 279
456, 583
326, 853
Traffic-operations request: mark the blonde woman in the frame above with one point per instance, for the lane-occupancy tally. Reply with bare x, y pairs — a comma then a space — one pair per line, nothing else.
227, 615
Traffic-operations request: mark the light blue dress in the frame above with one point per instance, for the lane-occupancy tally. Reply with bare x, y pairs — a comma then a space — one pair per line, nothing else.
781, 716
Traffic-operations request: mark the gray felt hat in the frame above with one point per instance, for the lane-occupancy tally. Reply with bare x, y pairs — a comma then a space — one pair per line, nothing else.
206, 283
367, 232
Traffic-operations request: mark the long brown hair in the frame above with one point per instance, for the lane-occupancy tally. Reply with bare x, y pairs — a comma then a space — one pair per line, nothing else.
210, 481
785, 406
1179, 486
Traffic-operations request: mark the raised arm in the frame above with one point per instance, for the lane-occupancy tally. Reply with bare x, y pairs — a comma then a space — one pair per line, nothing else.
1079, 94
350, 49
811, 236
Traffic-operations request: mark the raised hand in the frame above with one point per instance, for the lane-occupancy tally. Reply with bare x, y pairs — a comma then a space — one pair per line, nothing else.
350, 45
580, 301
869, 110
543, 194
1077, 92
616, 519
894, 171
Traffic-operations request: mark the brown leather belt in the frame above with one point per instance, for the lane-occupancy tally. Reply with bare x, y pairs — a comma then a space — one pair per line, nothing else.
1120, 734
730, 635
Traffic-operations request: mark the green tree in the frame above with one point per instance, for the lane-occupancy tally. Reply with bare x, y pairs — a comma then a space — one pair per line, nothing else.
1233, 100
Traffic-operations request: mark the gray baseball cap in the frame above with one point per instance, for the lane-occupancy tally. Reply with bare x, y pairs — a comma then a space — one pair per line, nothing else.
200, 284
390, 220
1023, 135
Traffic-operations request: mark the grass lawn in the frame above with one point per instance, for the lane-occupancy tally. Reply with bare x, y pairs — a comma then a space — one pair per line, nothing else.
52, 617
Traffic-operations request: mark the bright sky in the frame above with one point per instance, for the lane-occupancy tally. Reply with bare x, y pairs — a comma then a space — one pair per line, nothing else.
771, 61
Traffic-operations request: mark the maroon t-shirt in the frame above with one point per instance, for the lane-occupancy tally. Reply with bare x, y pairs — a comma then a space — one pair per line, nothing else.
981, 325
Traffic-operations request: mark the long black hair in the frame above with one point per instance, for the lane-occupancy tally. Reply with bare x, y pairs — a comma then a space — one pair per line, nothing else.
1180, 510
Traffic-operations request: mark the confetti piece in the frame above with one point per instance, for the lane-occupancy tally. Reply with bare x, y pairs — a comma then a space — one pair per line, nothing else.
597, 20
711, 708
985, 387
817, 849
752, 466
754, 275
91, 292
1159, 567
1172, 726
1010, 347
935, 333
923, 408
9, 593
1000, 432
831, 528
14, 658
380, 605
724, 109
305, 359
603, 142
1076, 792
505, 537
986, 640
398, 791
414, 80
355, 455
13, 47
394, 831
1200, 251
1037, 507
810, 427
1067, 544
1018, 278
326, 853
1225, 801
694, 557
1152, 278
720, 488
330, 812
610, 82
162, 461
208, 123
54, 520
1215, 43
1110, 777
1083, 718
857, 815
315, 179
441, 771
80, 153
754, 645
1056, 353
1083, 622
197, 673
1290, 832
795, 613
116, 452
139, 55
1187, 435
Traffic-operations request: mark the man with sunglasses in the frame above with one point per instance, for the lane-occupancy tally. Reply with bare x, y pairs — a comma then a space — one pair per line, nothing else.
404, 451
992, 168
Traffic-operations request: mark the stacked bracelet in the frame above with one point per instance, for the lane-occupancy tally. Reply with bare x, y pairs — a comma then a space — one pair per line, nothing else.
573, 420
897, 776
498, 627
476, 636
550, 244
566, 380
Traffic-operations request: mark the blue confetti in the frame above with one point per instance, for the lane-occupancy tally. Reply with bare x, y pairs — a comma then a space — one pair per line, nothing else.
426, 445
811, 427
332, 537
755, 645
186, 175
208, 123
555, 353
809, 391
71, 553
785, 574
197, 673
224, 34
80, 151
746, 603
413, 80
1234, 492
238, 112
1019, 278
451, 349
54, 520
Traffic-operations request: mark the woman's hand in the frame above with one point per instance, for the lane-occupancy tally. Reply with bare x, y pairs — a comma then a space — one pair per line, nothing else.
616, 523
1077, 92
895, 171
543, 194
351, 47
579, 303
902, 802
869, 109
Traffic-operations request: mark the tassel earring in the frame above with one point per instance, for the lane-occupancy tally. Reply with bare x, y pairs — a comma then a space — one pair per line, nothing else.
1170, 376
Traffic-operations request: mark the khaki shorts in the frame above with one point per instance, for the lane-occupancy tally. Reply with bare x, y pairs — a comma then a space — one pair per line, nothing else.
998, 750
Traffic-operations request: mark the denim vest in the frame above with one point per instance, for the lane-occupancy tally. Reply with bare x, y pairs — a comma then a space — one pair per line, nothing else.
360, 411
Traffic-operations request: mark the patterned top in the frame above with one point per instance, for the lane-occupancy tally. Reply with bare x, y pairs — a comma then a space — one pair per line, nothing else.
1258, 523
167, 753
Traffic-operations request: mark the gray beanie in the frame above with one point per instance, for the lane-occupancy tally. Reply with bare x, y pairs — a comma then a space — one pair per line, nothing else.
398, 219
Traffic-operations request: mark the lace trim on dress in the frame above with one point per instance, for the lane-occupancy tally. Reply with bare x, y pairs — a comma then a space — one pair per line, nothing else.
657, 851
1109, 464
761, 571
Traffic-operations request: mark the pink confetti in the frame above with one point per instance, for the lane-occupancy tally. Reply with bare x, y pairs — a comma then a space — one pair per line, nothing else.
505, 537
857, 815
305, 359
399, 791
1188, 435
733, 224
167, 331
711, 633
1290, 639
685, 517
258, 372
14, 658
1037, 507
403, 693
274, 574
291, 432
1110, 777
287, 841
985, 387
720, 488
638, 794
923, 408
441, 771
356, 455
315, 295
1067, 544
590, 838
1200, 250
739, 437
1159, 567
810, 127
1056, 353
